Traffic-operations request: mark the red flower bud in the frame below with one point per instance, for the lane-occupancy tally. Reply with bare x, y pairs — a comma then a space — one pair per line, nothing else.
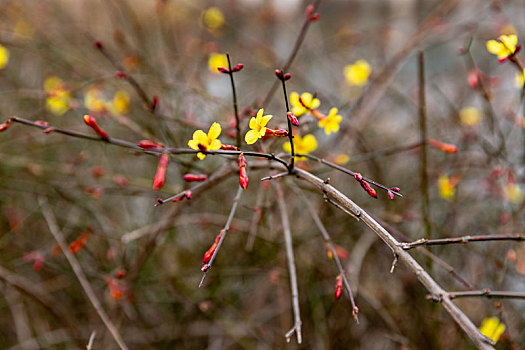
293, 119
121, 75
92, 123
445, 147
287, 76
314, 17
280, 132
42, 123
187, 194
147, 144
238, 67
395, 189
279, 73
358, 177
195, 178
4, 126
160, 176
366, 186
80, 242
154, 103
223, 70
309, 10
98, 44
243, 175
390, 195
120, 273
48, 130
229, 147
209, 253
338, 287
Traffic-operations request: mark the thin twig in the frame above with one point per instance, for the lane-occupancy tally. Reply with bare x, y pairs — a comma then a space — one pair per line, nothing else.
461, 240
257, 216
487, 293
224, 231
425, 208
235, 107
91, 340
291, 265
288, 122
276, 176
79, 273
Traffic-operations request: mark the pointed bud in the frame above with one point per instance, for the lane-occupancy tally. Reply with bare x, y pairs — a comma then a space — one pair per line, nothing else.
4, 126
338, 287
48, 130
80, 242
395, 189
229, 147
278, 74
223, 70
154, 103
121, 75
209, 253
309, 10
243, 175
358, 177
390, 195
287, 76
187, 194
366, 186
314, 17
195, 178
292, 118
445, 147
120, 273
238, 67
42, 123
92, 123
160, 176
280, 132
147, 144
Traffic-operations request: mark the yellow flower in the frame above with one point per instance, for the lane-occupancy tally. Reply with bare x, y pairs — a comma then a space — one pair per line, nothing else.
4, 56
120, 103
309, 103
94, 100
58, 97
341, 159
492, 328
217, 60
209, 142
447, 187
470, 116
213, 18
357, 74
519, 79
331, 122
503, 47
513, 193
303, 145
257, 126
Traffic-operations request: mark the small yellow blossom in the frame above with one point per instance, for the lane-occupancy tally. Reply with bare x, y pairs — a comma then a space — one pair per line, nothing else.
503, 47
210, 142
217, 60
341, 159
331, 122
4, 56
94, 100
492, 328
120, 103
447, 187
513, 193
309, 103
58, 97
519, 79
470, 116
357, 74
257, 126
302, 145
213, 18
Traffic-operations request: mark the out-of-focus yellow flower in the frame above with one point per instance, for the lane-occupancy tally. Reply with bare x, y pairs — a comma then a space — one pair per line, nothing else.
513, 193
341, 159
120, 103
331, 122
503, 47
357, 74
209, 142
94, 100
519, 79
447, 187
23, 29
213, 18
304, 104
58, 97
217, 60
302, 145
257, 126
470, 116
4, 56
492, 328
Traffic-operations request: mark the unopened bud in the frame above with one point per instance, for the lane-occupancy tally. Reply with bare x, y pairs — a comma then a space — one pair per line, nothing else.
209, 253
280, 132
160, 176
314, 17
147, 144
445, 147
238, 67
154, 103
338, 287
5, 125
42, 123
98, 44
287, 76
92, 123
120, 74
187, 194
395, 189
358, 177
293, 119
229, 147
279, 73
195, 178
309, 10
390, 195
243, 175
223, 70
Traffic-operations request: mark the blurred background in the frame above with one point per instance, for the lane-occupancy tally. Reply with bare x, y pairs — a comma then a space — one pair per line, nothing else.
144, 262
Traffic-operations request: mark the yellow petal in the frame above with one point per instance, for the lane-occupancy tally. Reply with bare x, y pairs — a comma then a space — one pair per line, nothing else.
259, 115
493, 46
315, 103
294, 99
287, 147
309, 143
510, 41
307, 99
4, 56
215, 145
251, 137
200, 137
194, 144
253, 123
261, 132
492, 327
201, 156
265, 119
215, 131
298, 110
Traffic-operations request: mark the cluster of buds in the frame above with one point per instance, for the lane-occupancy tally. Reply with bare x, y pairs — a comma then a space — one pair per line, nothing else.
92, 123
391, 192
195, 177
365, 185
445, 147
5, 125
237, 68
338, 287
184, 195
310, 15
281, 75
209, 253
160, 175
243, 175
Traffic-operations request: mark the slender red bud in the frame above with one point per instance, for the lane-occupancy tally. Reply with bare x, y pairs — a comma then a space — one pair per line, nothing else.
121, 75
207, 256
160, 176
293, 119
395, 189
195, 178
120, 273
280, 132
238, 67
4, 126
48, 130
314, 17
366, 186
287, 76
279, 73
92, 123
358, 177
223, 70
390, 195
338, 287
187, 194
147, 144
309, 10
445, 147
154, 103
229, 147
243, 175
42, 123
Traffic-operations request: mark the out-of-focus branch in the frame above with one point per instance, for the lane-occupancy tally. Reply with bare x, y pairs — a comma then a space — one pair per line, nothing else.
461, 240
